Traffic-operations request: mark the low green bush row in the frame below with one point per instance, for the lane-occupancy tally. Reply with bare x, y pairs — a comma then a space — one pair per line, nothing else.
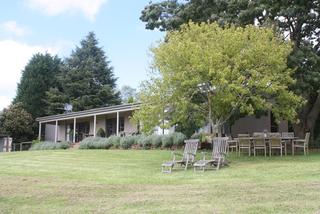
46, 145
127, 142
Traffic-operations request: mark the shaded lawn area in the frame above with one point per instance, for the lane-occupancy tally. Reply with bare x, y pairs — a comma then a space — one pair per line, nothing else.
119, 181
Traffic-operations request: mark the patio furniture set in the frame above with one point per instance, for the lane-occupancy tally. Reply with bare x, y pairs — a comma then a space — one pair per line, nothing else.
217, 159
267, 142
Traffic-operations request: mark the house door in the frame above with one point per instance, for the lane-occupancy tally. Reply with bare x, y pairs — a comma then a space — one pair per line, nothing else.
83, 130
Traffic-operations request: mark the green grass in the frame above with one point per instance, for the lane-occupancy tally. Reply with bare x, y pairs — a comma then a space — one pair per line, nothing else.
119, 181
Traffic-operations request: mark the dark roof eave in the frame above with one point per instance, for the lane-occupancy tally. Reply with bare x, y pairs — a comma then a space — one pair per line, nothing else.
90, 112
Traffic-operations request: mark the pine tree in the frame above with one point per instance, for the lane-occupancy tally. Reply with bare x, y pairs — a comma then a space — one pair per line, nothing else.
88, 81
38, 77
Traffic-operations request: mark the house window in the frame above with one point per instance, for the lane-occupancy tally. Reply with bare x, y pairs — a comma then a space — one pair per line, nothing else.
111, 126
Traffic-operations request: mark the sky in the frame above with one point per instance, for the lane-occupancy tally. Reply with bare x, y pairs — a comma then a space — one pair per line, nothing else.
57, 27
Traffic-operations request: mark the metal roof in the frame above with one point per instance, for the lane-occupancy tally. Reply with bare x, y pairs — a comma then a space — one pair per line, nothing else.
90, 112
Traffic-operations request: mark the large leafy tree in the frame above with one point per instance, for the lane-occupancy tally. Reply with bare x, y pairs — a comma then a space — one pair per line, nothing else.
296, 20
88, 80
38, 76
215, 72
17, 122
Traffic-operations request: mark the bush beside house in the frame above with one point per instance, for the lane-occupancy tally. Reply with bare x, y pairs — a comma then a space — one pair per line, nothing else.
49, 145
135, 141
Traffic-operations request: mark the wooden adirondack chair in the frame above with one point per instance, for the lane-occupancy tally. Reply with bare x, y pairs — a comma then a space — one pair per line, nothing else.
219, 151
188, 156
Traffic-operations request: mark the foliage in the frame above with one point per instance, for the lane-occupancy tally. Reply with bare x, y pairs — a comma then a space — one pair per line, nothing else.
127, 142
55, 101
101, 132
49, 146
297, 21
154, 104
145, 141
18, 123
36, 141
95, 143
246, 72
114, 141
202, 137
38, 76
156, 140
178, 138
128, 94
88, 81
167, 141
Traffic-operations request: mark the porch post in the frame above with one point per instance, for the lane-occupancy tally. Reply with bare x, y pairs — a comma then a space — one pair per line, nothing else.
94, 125
56, 132
117, 123
74, 130
39, 136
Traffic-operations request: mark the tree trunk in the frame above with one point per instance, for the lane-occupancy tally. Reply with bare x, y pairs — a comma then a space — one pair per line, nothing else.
219, 128
308, 117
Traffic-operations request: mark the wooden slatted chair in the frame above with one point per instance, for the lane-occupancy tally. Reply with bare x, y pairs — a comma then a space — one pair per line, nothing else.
275, 142
302, 143
219, 151
244, 143
188, 156
259, 143
232, 144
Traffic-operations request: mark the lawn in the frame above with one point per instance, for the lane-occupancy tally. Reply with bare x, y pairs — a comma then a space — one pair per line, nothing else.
119, 181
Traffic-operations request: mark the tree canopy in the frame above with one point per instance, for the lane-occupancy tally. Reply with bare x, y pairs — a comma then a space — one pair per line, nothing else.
87, 81
212, 72
297, 21
17, 122
38, 76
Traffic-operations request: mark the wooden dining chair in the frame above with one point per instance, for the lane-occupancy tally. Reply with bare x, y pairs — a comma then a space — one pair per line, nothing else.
259, 143
302, 143
232, 144
244, 143
275, 142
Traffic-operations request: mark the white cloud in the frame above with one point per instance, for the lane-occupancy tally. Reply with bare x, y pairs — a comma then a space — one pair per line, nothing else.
12, 27
14, 56
89, 8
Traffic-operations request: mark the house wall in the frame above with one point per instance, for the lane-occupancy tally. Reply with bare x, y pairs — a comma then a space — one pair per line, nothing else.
250, 124
129, 127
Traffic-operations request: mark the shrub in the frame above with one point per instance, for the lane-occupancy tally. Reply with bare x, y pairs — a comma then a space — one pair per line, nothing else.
36, 141
95, 143
178, 138
167, 141
127, 142
144, 141
101, 133
203, 137
156, 140
50, 146
114, 141
196, 136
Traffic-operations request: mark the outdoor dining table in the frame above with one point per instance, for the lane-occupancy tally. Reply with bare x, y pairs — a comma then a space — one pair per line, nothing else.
284, 140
